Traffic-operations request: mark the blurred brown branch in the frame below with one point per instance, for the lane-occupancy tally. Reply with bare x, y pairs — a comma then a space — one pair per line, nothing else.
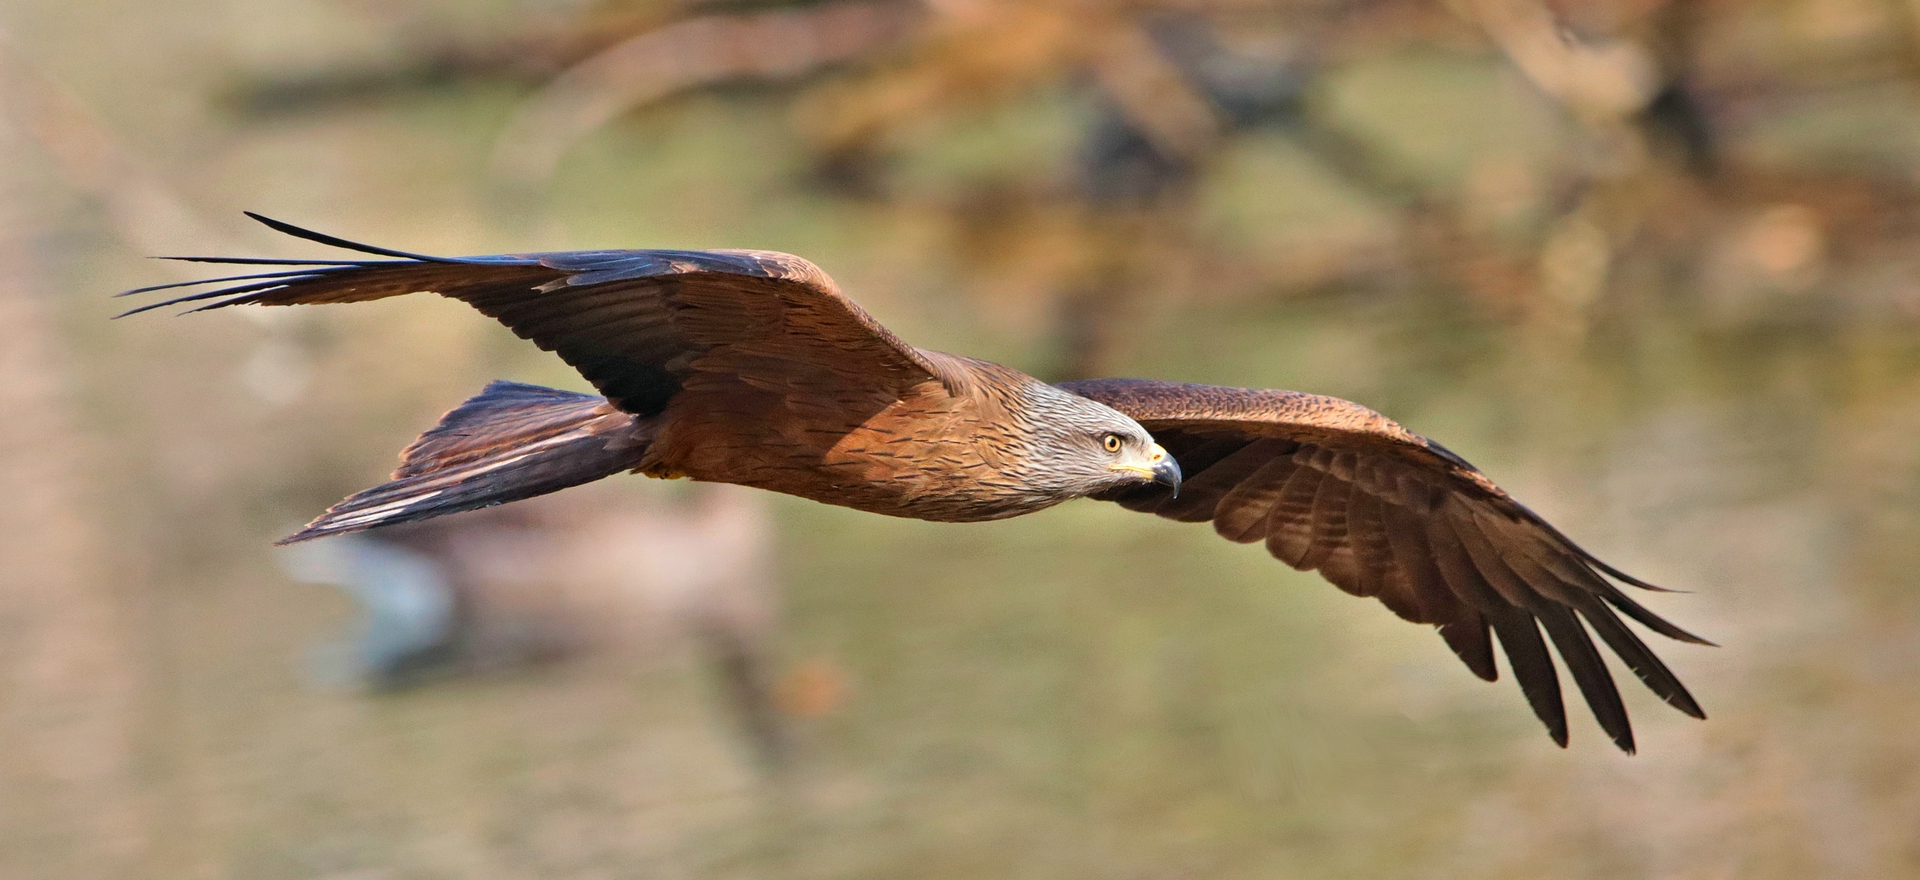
766, 46
1168, 87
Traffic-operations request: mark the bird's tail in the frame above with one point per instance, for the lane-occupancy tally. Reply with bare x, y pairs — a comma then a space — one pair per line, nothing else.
511, 442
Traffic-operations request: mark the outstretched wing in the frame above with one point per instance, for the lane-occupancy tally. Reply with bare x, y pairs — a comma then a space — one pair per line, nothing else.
637, 324
1380, 511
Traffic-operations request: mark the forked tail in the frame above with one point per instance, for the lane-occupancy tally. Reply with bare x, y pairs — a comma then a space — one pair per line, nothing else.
513, 441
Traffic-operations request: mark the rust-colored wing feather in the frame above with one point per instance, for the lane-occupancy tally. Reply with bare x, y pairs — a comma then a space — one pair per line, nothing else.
1382, 512
636, 323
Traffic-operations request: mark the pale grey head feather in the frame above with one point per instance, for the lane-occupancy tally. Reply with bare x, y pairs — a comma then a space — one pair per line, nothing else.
1065, 453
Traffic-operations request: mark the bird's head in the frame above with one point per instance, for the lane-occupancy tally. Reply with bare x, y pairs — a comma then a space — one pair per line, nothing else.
1082, 447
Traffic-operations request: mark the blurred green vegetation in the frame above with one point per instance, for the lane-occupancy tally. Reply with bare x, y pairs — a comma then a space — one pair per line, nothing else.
1705, 366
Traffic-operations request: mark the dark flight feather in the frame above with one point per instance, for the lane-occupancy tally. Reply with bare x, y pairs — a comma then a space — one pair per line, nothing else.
508, 443
1382, 512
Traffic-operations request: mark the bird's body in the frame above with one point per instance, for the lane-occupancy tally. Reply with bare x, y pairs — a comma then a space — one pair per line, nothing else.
750, 367
940, 449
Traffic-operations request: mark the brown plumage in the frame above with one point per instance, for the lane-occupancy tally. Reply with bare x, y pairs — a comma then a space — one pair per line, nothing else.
751, 367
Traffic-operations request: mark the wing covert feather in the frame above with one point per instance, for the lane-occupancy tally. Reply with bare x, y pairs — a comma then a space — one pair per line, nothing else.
1379, 511
638, 324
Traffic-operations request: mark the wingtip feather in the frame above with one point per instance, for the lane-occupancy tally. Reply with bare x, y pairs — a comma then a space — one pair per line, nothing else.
289, 274
286, 228
298, 537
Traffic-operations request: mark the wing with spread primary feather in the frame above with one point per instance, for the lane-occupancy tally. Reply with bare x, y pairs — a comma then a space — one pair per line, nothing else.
1332, 486
636, 323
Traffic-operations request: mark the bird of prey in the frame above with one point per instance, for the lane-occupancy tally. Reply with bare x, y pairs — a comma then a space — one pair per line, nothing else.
751, 367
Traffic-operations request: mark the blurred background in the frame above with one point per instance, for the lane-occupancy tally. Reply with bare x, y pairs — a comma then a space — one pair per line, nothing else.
1649, 263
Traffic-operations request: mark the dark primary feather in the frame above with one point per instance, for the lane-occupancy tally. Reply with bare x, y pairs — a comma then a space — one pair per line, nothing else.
1383, 512
635, 323
335, 241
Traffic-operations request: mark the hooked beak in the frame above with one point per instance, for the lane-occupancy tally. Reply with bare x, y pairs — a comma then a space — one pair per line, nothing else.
1166, 471
1160, 468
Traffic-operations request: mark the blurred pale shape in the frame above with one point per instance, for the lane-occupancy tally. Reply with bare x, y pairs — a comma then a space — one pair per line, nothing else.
1786, 242
278, 371
1501, 191
1573, 265
1843, 21
813, 688
1599, 80
408, 602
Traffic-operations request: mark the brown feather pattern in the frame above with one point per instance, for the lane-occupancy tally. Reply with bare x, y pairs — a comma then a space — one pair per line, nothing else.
1331, 486
751, 367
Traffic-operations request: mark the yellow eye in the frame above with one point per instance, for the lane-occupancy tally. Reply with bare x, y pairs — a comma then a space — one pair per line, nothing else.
1111, 442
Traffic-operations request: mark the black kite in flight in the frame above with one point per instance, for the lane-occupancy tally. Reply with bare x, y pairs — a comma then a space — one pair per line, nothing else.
751, 367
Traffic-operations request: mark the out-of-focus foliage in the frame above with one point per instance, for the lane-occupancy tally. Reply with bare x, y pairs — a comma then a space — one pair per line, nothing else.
1651, 263
1652, 152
